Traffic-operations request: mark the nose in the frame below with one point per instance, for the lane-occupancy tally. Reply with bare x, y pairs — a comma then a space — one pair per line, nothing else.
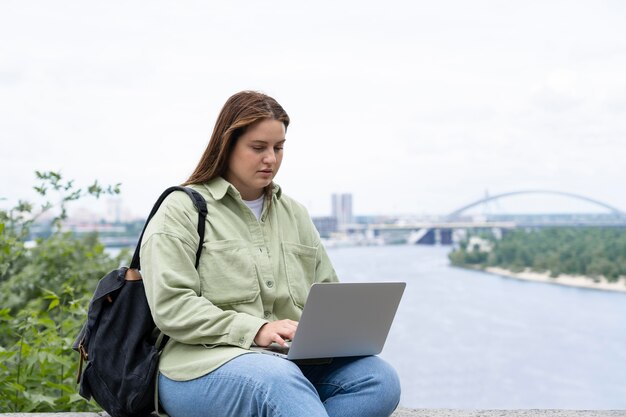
270, 157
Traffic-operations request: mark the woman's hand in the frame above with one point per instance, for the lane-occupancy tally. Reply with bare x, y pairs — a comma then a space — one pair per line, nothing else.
276, 331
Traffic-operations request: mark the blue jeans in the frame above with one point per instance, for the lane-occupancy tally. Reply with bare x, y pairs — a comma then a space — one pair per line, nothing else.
263, 385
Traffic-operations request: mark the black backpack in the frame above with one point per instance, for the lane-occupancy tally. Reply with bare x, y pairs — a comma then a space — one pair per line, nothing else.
119, 341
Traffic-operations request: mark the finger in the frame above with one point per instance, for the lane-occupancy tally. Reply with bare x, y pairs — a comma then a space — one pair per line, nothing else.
290, 324
280, 340
288, 333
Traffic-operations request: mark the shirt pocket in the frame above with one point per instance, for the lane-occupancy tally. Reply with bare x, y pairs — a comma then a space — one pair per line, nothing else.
227, 273
300, 263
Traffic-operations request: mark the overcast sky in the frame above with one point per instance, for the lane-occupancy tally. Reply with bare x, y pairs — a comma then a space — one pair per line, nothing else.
412, 106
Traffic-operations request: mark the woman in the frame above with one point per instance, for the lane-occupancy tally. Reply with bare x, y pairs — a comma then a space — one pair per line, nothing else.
261, 253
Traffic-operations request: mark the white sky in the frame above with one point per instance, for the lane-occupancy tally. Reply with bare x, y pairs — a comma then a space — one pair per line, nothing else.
413, 106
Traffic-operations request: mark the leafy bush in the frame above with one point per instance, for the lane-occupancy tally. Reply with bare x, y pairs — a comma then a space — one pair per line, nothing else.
44, 293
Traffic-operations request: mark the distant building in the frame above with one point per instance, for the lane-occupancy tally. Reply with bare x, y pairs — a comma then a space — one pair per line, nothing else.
113, 210
325, 226
342, 209
117, 212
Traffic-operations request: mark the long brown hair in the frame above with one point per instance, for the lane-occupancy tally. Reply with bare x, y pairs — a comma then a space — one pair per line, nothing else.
240, 111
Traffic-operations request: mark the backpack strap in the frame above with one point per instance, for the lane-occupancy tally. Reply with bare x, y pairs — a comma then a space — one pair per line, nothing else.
198, 202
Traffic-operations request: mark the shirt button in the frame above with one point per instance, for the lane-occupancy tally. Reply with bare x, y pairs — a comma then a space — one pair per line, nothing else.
270, 284
241, 341
267, 314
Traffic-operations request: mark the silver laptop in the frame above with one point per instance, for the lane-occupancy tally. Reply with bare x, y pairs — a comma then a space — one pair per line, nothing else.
343, 319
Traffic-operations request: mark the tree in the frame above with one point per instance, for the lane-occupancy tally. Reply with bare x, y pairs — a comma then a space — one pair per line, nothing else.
598, 253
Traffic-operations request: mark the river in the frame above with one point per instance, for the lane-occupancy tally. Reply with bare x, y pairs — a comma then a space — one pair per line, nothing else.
471, 340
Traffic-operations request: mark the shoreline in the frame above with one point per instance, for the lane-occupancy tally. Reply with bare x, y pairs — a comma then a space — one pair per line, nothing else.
577, 281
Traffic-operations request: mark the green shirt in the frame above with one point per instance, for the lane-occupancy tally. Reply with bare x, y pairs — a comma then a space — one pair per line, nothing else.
251, 272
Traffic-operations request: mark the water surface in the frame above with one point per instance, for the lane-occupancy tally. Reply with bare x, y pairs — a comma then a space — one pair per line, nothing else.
466, 339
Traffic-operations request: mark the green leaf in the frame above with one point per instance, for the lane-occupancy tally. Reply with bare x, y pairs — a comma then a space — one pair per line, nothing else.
14, 386
40, 190
5, 355
61, 387
37, 398
49, 295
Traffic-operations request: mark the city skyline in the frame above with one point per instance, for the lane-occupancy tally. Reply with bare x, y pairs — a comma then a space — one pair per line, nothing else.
340, 205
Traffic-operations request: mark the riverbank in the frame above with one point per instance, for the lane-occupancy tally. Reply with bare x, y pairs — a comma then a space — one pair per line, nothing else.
563, 279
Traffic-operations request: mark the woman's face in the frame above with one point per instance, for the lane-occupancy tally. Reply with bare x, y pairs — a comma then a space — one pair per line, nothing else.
256, 158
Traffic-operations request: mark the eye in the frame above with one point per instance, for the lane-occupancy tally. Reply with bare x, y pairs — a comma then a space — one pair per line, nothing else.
258, 148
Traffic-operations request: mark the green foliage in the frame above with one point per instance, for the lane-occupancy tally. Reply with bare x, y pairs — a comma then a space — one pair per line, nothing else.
468, 256
44, 292
594, 252
38, 368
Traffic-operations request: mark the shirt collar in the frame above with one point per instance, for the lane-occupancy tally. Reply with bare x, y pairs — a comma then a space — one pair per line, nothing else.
219, 187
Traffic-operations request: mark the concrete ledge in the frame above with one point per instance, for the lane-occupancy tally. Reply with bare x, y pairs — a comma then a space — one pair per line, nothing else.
406, 412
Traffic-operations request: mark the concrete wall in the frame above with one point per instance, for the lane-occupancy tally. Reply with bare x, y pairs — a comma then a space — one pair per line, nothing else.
405, 412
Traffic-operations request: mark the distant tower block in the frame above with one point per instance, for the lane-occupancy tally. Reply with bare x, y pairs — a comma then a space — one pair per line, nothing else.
113, 210
342, 209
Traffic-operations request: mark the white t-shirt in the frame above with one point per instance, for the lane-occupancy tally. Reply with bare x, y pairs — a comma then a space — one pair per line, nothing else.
256, 206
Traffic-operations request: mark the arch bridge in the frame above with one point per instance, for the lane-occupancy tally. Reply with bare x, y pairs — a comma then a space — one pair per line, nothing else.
615, 212
446, 230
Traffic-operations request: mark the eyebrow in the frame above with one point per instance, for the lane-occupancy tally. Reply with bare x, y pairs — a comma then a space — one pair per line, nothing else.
263, 141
